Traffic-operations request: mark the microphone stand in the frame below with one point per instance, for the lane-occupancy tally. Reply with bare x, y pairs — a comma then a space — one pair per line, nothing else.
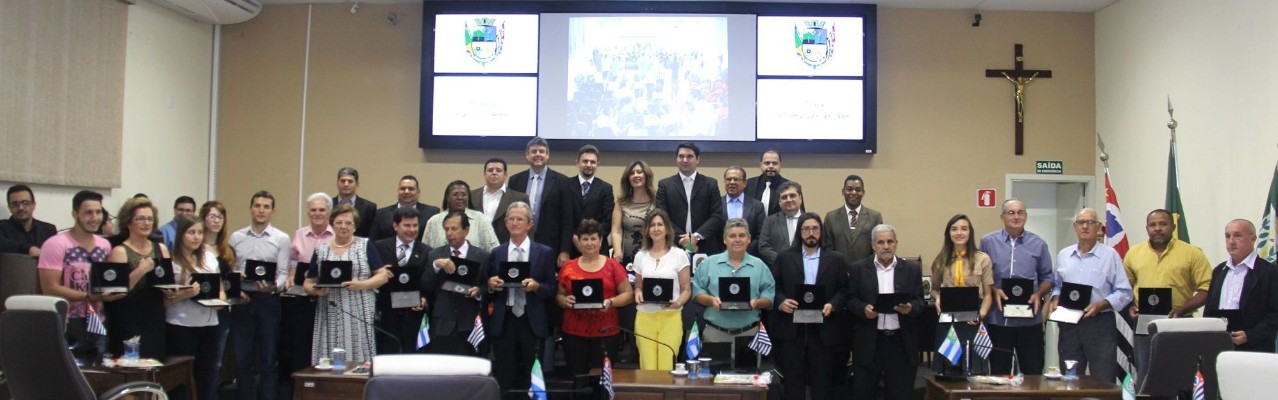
371, 353
674, 354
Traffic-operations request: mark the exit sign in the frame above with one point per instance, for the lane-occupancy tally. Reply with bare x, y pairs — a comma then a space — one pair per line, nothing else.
1049, 167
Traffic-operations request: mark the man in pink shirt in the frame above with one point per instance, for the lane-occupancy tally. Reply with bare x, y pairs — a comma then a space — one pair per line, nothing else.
64, 270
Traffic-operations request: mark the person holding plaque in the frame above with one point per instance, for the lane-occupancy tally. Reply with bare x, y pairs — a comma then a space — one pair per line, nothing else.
256, 324
1091, 341
452, 288
343, 314
960, 264
589, 326
723, 325
657, 263
1244, 291
402, 302
297, 320
885, 299
1022, 270
811, 287
141, 312
193, 328
518, 325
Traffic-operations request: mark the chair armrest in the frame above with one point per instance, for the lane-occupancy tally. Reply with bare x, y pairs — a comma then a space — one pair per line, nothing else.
134, 387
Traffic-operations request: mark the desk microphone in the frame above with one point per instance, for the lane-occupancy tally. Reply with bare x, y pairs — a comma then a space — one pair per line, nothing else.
398, 346
674, 356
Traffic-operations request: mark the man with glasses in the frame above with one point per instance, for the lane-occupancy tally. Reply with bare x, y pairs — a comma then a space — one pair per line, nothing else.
183, 206
1017, 253
22, 233
1092, 341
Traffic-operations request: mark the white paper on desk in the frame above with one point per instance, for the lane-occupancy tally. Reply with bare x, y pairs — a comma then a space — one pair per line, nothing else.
1065, 315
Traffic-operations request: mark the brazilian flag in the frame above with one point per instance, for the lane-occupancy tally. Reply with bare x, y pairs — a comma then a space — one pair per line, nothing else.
1173, 203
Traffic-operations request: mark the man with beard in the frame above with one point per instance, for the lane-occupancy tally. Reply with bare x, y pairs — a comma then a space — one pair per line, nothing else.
807, 350
1166, 262
64, 269
766, 187
779, 229
885, 344
587, 197
22, 233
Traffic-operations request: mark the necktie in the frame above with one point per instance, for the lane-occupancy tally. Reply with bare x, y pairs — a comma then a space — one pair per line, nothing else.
403, 254
687, 190
533, 195
766, 197
790, 223
585, 188
517, 300
852, 219
958, 268
457, 253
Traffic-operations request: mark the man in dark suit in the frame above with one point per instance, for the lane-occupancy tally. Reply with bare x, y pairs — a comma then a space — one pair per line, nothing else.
409, 255
22, 233
847, 228
885, 342
1244, 289
544, 189
737, 205
347, 185
778, 232
693, 202
808, 350
587, 197
452, 313
406, 196
518, 323
766, 187
493, 198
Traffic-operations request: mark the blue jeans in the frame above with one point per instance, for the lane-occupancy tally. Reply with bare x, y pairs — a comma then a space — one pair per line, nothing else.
256, 329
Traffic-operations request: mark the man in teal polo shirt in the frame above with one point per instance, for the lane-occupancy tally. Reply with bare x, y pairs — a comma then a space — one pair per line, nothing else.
724, 326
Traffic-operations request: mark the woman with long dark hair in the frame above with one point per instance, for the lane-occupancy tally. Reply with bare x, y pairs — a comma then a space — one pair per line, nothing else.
960, 264
193, 328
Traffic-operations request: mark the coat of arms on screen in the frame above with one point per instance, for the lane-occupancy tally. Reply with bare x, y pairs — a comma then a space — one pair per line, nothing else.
813, 42
484, 39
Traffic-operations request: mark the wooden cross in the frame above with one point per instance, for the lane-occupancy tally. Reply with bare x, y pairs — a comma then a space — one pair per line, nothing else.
1020, 78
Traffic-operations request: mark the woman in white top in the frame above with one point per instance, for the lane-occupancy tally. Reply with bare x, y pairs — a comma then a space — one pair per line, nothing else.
457, 198
659, 258
192, 328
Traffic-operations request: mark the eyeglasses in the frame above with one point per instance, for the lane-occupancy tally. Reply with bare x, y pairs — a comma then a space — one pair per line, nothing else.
1015, 213
21, 203
143, 218
1087, 222
215, 217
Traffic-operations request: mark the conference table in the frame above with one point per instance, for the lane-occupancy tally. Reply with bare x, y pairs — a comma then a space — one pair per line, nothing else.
630, 384
176, 371
1034, 386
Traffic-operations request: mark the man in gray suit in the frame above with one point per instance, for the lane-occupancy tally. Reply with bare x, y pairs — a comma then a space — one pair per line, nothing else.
452, 314
736, 204
778, 229
847, 228
493, 198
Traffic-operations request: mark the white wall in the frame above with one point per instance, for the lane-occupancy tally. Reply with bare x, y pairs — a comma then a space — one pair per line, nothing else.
1215, 59
167, 90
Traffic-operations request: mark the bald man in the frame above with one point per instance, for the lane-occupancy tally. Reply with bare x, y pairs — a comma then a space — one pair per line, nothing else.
1092, 341
1244, 289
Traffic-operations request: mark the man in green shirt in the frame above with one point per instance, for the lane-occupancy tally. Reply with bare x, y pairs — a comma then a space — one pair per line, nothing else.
724, 326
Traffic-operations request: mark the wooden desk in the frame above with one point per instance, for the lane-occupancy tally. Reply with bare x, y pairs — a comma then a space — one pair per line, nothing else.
1034, 386
632, 384
313, 384
176, 371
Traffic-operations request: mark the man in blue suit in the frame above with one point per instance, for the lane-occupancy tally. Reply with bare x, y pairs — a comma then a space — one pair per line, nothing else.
518, 323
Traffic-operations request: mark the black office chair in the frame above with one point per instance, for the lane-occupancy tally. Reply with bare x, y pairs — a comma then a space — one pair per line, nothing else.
1176, 346
38, 364
417, 376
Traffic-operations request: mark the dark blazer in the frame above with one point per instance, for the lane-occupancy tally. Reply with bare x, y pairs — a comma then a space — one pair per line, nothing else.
548, 228
543, 271
774, 238
14, 239
384, 223
707, 209
597, 205
451, 312
367, 213
754, 190
1258, 308
864, 289
852, 243
752, 212
416, 263
499, 219
789, 274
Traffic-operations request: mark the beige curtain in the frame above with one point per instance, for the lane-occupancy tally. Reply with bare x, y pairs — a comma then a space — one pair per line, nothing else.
62, 91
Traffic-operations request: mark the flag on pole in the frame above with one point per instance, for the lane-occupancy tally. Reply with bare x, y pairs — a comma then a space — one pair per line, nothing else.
693, 349
1265, 247
423, 334
1114, 235
951, 348
1200, 385
761, 344
95, 322
1173, 197
606, 380
982, 342
476, 334
537, 391
1125, 354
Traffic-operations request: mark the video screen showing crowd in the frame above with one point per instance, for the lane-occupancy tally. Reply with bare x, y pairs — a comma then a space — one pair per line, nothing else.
539, 265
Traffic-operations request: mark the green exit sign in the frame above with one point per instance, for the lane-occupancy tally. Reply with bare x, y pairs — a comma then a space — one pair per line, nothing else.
1049, 167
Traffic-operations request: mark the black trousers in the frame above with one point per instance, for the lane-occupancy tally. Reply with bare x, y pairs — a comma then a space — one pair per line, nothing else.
202, 343
513, 353
1027, 341
404, 323
806, 362
297, 324
454, 343
891, 365
583, 353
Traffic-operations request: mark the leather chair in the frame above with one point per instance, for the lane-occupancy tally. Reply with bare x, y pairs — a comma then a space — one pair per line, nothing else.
18, 275
1246, 375
416, 376
1176, 345
38, 364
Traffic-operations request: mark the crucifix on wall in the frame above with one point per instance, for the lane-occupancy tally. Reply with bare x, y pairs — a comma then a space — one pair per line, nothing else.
1020, 78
